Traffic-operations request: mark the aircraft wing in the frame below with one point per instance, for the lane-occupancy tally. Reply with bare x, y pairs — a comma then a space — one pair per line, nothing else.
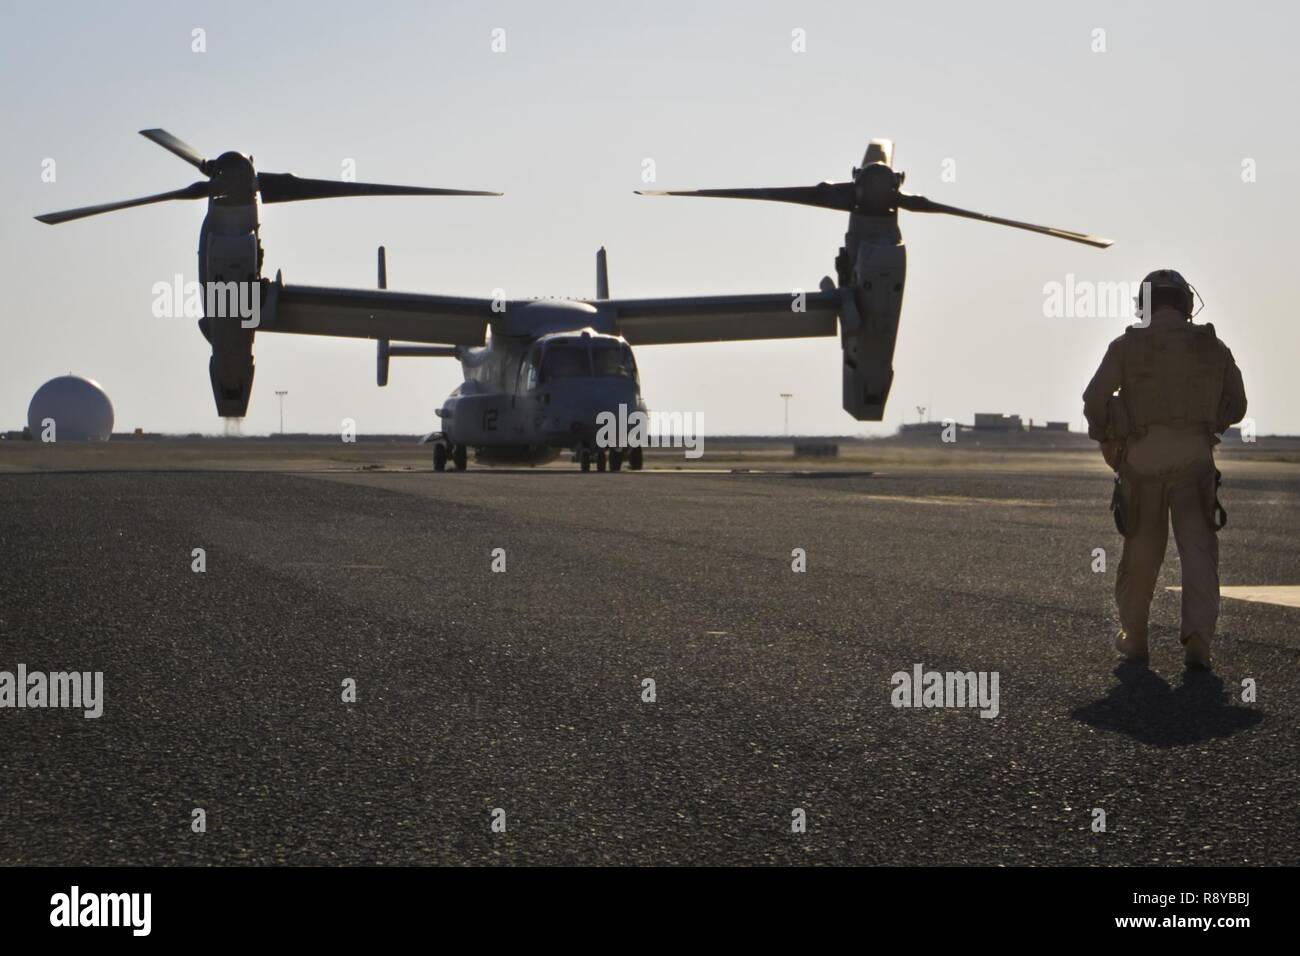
723, 318
376, 314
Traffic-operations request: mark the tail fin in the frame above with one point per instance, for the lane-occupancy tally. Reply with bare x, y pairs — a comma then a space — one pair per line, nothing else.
602, 275
381, 362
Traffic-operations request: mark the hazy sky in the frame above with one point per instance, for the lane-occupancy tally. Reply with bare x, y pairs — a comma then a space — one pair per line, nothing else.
1144, 142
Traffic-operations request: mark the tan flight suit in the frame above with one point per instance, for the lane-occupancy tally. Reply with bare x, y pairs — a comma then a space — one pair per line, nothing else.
1178, 386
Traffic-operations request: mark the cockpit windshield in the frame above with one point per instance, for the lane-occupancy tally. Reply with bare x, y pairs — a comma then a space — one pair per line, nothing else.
563, 360
578, 358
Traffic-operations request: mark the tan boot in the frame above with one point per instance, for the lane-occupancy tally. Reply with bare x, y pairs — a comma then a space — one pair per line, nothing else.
1132, 648
1196, 652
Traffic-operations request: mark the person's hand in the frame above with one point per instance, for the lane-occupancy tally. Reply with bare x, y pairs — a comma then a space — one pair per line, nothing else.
1110, 451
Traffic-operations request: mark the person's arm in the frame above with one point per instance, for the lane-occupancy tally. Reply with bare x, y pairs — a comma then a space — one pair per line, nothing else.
1096, 400
1232, 405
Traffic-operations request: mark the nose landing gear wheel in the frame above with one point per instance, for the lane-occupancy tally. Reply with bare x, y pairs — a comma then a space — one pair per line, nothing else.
458, 457
615, 460
440, 457
584, 460
634, 459
600, 460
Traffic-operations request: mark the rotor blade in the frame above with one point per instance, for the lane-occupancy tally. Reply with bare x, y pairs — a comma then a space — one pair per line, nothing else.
175, 146
286, 187
826, 195
921, 204
197, 190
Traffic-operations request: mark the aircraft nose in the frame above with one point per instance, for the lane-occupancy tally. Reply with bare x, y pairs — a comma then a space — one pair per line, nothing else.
576, 406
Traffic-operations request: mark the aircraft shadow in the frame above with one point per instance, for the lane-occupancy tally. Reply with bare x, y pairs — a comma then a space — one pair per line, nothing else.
1144, 706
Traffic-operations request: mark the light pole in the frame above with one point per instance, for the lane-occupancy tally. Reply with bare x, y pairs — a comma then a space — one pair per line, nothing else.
281, 395
787, 396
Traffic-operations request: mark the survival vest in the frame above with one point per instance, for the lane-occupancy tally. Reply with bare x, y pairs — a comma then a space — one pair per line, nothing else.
1172, 376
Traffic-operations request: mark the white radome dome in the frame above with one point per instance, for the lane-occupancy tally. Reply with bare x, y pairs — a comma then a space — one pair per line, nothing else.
78, 406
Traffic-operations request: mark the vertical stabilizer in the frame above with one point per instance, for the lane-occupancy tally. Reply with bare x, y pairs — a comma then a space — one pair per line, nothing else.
381, 361
602, 275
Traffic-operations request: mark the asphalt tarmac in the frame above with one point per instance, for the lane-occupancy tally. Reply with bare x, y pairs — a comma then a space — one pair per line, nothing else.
523, 691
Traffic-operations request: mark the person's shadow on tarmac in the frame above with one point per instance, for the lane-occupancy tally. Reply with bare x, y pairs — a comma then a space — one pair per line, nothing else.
1145, 707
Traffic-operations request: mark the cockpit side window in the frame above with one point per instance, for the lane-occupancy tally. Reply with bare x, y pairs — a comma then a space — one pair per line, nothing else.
530, 368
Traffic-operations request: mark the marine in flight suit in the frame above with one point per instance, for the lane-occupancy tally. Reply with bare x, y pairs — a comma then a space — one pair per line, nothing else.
1164, 391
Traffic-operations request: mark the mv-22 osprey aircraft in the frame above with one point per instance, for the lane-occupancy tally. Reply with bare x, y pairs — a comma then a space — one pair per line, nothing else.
537, 385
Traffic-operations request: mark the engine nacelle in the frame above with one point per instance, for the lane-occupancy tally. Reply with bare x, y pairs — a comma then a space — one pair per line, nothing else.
873, 299
230, 263
231, 367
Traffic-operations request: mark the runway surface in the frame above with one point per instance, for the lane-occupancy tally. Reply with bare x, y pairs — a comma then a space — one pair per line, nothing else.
523, 690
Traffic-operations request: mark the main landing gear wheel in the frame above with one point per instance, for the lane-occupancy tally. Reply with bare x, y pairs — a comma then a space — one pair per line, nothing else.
634, 459
600, 460
439, 457
615, 460
458, 457
584, 460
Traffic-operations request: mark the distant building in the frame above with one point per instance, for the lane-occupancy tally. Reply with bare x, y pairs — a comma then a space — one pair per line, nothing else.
994, 421
920, 428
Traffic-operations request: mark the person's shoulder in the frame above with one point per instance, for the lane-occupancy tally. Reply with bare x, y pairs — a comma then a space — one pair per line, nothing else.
1207, 330
1126, 338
